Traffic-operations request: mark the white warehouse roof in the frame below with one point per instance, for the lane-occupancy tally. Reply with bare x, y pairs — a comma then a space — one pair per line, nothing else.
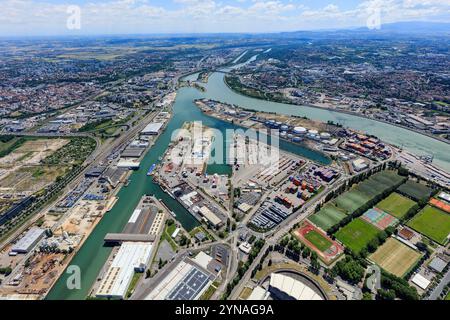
131, 256
421, 281
152, 128
28, 240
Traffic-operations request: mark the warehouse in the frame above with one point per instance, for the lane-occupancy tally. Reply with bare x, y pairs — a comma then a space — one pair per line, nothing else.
209, 216
186, 281
29, 240
132, 257
95, 172
152, 128
132, 152
127, 164
360, 164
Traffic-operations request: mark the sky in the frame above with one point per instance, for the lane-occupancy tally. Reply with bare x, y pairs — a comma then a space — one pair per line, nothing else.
89, 17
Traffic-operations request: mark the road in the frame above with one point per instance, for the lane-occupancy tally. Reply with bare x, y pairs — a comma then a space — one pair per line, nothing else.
438, 290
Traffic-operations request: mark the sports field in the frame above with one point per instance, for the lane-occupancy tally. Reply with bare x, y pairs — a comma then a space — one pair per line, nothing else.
415, 190
346, 203
444, 206
351, 200
396, 205
433, 223
357, 234
318, 240
366, 190
379, 218
327, 217
395, 257
327, 249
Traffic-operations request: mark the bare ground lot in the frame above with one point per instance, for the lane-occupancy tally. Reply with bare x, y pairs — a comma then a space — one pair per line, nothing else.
32, 152
31, 178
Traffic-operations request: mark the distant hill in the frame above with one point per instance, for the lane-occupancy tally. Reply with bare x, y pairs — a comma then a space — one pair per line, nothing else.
413, 27
400, 30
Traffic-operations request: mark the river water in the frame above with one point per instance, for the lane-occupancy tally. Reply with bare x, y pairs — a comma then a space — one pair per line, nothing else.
92, 255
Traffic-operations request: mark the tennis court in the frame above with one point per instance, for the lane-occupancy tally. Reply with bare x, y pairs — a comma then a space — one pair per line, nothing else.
379, 218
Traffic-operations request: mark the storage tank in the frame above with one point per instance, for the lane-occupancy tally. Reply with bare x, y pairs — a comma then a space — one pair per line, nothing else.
296, 139
313, 132
299, 130
284, 127
325, 136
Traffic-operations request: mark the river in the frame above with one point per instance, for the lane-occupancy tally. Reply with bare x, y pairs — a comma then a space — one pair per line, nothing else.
411, 141
92, 255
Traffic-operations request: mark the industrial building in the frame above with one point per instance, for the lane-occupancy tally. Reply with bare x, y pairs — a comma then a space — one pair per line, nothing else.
269, 214
29, 240
132, 257
186, 281
210, 217
95, 172
284, 287
359, 164
127, 164
113, 176
132, 152
152, 128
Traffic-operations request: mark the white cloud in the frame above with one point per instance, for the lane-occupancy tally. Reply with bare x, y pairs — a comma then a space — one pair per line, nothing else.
142, 16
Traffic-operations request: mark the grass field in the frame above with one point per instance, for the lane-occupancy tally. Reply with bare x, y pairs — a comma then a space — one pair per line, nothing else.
351, 200
433, 223
327, 217
318, 240
415, 190
396, 205
357, 234
395, 257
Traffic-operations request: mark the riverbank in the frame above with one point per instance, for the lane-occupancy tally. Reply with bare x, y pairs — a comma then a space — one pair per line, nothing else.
352, 113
